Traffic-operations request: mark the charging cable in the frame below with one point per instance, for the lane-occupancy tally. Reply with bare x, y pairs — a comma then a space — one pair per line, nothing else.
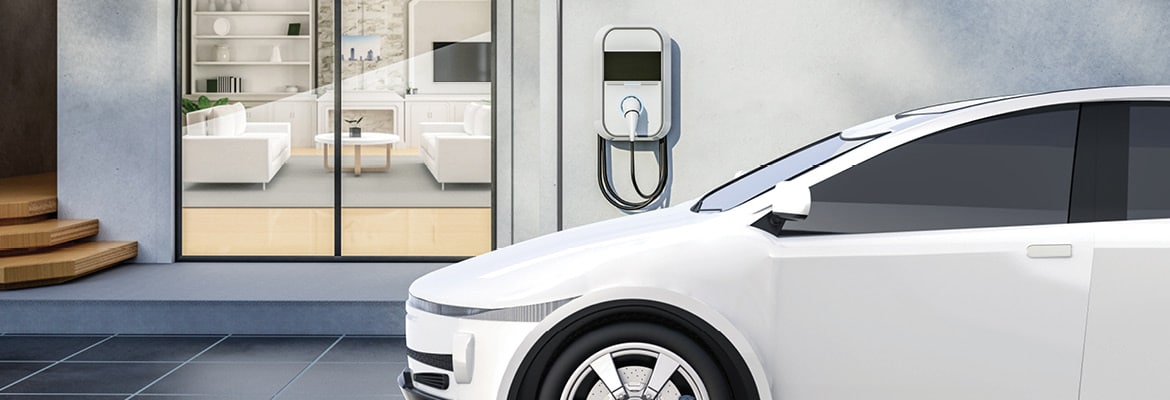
631, 108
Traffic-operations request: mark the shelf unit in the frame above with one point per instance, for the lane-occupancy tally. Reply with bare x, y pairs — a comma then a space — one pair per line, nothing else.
250, 41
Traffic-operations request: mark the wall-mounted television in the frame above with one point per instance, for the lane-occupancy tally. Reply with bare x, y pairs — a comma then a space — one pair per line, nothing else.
462, 61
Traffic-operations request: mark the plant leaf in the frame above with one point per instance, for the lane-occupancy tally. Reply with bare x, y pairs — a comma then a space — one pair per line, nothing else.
188, 106
204, 102
221, 102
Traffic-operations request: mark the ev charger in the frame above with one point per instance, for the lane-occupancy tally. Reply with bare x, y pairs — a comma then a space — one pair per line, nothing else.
634, 65
633, 100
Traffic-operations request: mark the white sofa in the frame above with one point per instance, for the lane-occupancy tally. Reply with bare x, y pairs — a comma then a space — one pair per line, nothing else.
221, 146
460, 152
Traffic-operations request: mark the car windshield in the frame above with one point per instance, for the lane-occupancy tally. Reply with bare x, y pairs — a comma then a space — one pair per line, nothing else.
761, 179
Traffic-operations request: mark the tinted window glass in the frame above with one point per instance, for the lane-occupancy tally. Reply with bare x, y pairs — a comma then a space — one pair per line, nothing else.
1149, 162
1009, 170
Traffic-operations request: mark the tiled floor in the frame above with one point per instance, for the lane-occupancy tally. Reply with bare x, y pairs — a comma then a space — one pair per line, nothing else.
200, 367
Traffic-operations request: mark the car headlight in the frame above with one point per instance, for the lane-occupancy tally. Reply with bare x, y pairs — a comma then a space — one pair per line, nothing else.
527, 313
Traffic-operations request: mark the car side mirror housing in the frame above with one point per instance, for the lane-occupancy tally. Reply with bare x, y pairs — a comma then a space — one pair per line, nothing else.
790, 202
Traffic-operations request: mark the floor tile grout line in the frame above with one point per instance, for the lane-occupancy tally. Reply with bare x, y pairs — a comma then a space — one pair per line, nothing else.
57, 362
306, 369
176, 368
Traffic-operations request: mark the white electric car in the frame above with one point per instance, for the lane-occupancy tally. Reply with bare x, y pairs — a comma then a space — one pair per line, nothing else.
942, 253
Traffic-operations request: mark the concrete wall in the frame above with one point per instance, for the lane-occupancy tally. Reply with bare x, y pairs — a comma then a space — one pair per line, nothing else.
758, 78
28, 130
116, 122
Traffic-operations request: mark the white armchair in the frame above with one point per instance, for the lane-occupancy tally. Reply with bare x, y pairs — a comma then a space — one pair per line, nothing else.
460, 152
221, 146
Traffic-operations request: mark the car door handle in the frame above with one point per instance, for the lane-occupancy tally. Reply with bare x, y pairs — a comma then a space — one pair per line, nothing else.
1050, 251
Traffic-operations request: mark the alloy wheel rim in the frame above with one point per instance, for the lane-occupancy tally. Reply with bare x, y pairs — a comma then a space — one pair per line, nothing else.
634, 371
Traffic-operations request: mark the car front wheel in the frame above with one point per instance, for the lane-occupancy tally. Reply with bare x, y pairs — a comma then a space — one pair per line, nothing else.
634, 361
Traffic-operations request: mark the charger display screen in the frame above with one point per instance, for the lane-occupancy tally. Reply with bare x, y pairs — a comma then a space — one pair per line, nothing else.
633, 66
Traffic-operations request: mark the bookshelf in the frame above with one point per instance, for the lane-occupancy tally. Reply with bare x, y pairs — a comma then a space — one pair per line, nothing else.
249, 45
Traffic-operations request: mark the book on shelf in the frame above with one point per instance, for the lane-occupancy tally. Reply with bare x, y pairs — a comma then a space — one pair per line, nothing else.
225, 84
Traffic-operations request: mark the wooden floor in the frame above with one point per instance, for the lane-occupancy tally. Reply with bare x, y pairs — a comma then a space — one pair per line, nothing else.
309, 231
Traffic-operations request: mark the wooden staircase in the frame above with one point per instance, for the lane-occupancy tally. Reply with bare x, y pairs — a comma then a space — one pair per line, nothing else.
36, 249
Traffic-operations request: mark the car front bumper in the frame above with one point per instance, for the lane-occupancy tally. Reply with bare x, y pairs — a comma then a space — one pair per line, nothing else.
406, 384
470, 355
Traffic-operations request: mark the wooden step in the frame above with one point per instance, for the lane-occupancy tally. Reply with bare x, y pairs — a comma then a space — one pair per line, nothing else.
24, 198
63, 263
46, 233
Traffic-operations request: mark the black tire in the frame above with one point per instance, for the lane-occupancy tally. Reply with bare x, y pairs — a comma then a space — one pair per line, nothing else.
566, 366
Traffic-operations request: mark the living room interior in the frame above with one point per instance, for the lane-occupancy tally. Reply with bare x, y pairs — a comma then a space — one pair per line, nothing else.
258, 150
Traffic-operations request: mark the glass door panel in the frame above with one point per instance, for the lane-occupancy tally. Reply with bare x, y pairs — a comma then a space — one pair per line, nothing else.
418, 178
252, 179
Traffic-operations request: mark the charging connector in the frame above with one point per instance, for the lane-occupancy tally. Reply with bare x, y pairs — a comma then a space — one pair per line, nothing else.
632, 110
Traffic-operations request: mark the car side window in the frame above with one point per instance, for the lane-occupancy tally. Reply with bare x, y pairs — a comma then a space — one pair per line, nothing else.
1014, 169
1149, 161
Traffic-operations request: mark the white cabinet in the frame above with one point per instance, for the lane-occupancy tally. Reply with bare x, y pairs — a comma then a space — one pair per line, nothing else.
424, 111
241, 44
303, 117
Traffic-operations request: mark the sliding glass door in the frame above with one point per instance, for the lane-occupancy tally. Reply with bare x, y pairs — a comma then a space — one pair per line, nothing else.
402, 170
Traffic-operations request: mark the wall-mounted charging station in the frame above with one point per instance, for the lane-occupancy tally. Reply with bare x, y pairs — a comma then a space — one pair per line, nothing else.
633, 101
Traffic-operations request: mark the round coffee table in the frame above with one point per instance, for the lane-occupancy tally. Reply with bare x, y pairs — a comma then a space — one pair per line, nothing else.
367, 139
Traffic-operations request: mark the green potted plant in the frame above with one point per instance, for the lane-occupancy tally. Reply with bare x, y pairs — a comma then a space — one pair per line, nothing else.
201, 103
354, 130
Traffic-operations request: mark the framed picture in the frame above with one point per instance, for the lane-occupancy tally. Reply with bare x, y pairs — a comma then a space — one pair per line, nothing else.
294, 29
361, 48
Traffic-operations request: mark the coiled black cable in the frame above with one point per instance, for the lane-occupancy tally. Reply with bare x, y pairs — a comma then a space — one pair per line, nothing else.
607, 188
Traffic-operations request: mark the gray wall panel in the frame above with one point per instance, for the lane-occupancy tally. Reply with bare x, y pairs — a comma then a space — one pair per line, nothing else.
758, 78
115, 143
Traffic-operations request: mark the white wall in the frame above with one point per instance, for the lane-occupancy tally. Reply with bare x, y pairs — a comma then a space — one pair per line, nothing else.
445, 21
757, 78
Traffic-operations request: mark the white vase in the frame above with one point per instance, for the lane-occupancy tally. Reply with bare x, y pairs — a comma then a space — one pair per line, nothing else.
227, 5
243, 6
211, 5
275, 55
223, 53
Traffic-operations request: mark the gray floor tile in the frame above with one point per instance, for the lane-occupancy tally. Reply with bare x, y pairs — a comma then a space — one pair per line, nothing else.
367, 349
348, 379
301, 397
146, 348
88, 396
196, 397
43, 348
12, 372
267, 349
92, 378
228, 379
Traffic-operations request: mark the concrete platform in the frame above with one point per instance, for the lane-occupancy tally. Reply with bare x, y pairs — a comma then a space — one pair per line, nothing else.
220, 298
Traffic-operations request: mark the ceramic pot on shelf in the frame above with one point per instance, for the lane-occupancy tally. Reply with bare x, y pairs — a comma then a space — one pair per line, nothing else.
223, 53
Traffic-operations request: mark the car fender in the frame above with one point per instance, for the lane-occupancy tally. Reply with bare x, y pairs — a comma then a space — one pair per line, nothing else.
699, 309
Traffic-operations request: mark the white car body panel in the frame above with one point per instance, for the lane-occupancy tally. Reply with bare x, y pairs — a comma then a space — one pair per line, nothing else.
962, 313
1127, 349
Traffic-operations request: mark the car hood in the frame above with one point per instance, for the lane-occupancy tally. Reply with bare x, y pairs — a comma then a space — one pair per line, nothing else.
555, 266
